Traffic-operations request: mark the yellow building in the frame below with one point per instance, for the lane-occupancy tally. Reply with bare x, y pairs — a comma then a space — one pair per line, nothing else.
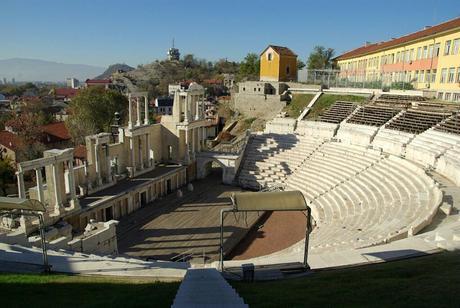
278, 64
428, 59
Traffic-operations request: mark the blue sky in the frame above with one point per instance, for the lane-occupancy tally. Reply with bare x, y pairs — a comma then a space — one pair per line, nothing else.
102, 32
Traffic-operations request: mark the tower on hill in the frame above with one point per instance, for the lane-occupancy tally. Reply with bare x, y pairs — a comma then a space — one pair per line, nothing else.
173, 53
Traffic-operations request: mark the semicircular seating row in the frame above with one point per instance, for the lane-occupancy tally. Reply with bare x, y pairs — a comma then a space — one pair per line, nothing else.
359, 197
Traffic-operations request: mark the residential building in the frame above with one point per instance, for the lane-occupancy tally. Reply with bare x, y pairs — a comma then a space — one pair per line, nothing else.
429, 59
278, 64
164, 105
106, 83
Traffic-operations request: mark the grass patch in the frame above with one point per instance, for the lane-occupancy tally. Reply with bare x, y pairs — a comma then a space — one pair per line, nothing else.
326, 100
36, 290
297, 104
431, 281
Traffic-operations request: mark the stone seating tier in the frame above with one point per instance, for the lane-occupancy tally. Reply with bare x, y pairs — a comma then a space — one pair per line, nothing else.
373, 116
338, 112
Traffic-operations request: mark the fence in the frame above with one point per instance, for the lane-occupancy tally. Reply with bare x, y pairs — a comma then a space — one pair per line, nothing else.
365, 79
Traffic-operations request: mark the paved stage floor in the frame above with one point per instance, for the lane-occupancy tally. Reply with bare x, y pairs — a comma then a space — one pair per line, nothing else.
191, 224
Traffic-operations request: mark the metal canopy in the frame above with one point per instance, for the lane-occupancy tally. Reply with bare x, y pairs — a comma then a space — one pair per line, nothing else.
28, 207
21, 204
269, 201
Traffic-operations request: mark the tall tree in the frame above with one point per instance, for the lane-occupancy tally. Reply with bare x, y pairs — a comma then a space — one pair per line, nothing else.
6, 173
29, 134
321, 58
92, 111
250, 67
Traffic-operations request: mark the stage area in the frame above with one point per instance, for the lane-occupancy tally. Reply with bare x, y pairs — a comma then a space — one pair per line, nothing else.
173, 226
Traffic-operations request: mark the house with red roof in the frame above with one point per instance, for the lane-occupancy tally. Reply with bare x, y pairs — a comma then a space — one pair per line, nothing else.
106, 83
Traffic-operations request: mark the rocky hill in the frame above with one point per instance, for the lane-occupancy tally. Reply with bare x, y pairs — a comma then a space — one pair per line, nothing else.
114, 68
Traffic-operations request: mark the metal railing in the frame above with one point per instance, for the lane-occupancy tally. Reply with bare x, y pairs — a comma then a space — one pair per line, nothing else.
189, 255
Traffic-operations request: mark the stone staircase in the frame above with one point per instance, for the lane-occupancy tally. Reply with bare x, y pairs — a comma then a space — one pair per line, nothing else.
206, 288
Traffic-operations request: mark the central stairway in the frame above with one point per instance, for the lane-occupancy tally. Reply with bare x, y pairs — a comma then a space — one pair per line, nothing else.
206, 288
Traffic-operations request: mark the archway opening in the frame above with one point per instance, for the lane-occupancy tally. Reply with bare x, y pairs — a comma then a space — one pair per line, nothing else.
213, 170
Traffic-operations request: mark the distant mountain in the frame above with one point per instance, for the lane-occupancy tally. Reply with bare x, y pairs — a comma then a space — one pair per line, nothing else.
115, 68
39, 70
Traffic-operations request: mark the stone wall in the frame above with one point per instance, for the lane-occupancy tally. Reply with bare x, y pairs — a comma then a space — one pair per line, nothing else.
259, 106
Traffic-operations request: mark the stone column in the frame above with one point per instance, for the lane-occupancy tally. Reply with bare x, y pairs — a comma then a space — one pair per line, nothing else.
97, 164
109, 169
187, 109
73, 194
21, 187
141, 158
38, 175
57, 190
146, 111
193, 142
130, 110
187, 148
204, 137
150, 161
131, 151
197, 108
138, 105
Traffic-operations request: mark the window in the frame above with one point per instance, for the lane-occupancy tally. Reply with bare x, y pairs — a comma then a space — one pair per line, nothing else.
287, 70
451, 76
244, 89
433, 75
269, 56
455, 46
443, 75
425, 52
440, 95
397, 57
407, 58
456, 97
436, 50
170, 152
427, 76
430, 51
411, 57
419, 53
447, 96
458, 75
421, 77
447, 48
416, 76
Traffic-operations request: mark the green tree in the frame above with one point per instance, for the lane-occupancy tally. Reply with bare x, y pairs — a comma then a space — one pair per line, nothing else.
300, 64
6, 173
250, 67
321, 58
92, 111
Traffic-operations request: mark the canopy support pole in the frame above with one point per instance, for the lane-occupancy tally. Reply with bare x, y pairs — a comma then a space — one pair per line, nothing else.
221, 250
308, 229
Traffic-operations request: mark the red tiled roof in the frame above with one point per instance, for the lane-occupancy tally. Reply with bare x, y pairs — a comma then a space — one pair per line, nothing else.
66, 92
448, 25
80, 152
57, 129
281, 50
98, 81
9, 140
